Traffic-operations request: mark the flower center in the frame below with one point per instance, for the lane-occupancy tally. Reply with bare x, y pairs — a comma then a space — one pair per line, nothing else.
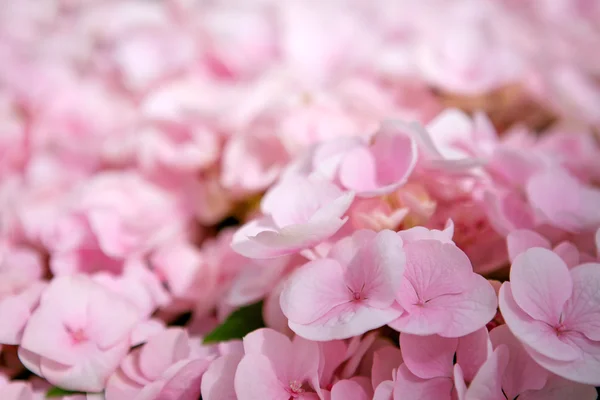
78, 335
295, 388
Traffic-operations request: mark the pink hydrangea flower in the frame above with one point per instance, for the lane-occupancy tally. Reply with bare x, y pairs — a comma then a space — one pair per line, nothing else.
554, 312
275, 367
166, 366
348, 293
510, 372
438, 288
78, 335
299, 213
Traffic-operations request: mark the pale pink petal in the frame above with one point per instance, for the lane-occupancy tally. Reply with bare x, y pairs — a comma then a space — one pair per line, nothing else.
409, 386
145, 330
218, 380
472, 351
422, 233
382, 167
163, 350
541, 284
256, 379
522, 373
565, 202
348, 390
345, 249
452, 315
520, 240
487, 384
569, 253
384, 391
536, 334
582, 310
313, 291
583, 369
185, 382
348, 323
377, 269
434, 269
460, 387
428, 356
296, 199
89, 375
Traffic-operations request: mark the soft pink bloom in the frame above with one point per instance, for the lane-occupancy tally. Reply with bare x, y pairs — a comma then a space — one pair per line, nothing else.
372, 167
299, 213
252, 161
554, 312
78, 334
348, 293
563, 201
510, 372
440, 294
166, 366
274, 367
382, 166
128, 214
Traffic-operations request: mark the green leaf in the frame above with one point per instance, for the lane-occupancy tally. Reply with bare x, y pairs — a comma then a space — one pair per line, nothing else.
58, 392
239, 323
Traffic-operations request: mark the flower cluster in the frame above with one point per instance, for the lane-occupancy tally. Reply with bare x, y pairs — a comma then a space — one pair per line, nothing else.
334, 200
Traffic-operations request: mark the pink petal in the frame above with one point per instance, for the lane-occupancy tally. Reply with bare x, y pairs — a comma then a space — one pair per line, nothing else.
520, 240
349, 390
313, 291
120, 386
348, 323
582, 310
288, 240
487, 384
472, 351
459, 383
218, 380
344, 250
409, 386
185, 383
163, 350
385, 361
434, 269
383, 167
377, 269
384, 391
564, 201
536, 334
541, 284
428, 356
255, 378
569, 253
296, 199
452, 315
522, 373
422, 233
583, 369
89, 375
